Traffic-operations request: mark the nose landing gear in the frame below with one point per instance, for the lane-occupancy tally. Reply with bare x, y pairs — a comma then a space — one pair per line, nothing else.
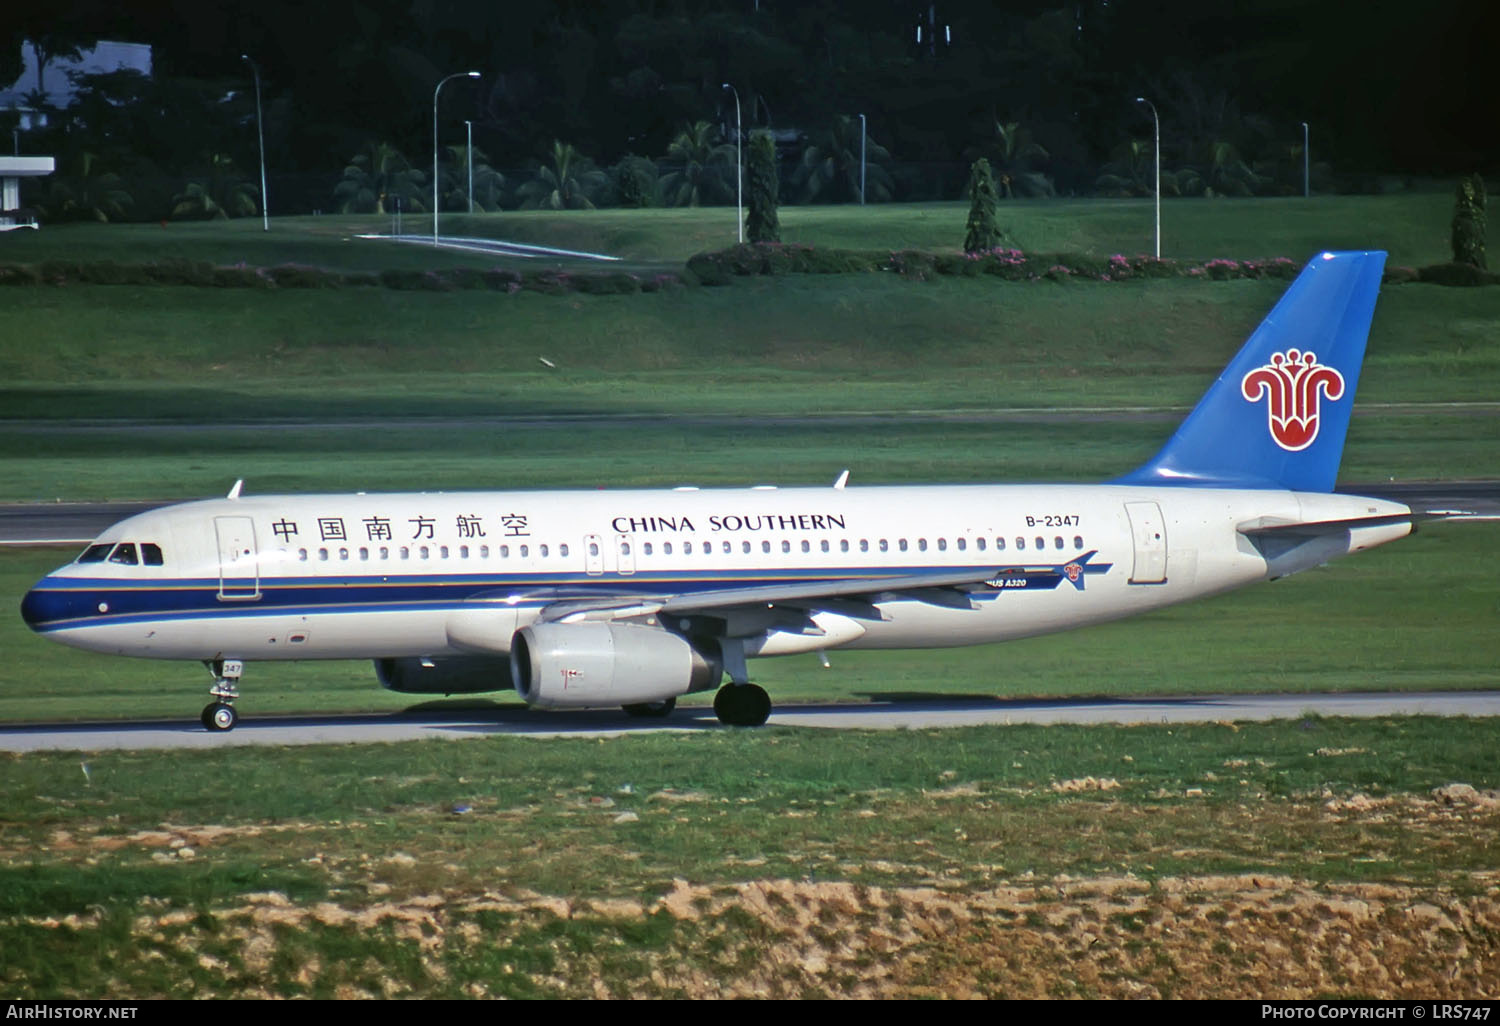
219, 714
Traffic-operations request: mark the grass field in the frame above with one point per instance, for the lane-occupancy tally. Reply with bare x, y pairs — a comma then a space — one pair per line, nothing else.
1257, 860
383, 362
1413, 227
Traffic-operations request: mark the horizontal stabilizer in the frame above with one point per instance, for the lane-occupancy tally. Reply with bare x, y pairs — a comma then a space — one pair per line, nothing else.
1276, 525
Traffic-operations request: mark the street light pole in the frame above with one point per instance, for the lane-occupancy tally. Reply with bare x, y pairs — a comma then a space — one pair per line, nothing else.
1156, 135
739, 175
265, 212
1306, 181
861, 160
456, 74
469, 153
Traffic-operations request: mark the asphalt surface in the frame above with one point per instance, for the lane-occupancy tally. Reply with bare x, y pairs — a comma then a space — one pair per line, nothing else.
74, 523
891, 714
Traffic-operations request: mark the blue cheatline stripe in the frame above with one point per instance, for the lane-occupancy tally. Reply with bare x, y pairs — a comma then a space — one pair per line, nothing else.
59, 603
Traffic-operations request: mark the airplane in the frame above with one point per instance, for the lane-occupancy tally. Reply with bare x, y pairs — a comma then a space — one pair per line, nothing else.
580, 599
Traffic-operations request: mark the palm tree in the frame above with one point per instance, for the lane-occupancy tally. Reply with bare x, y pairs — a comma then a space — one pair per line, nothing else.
831, 168
1228, 173
705, 169
87, 195
227, 193
1129, 170
564, 185
1013, 155
454, 181
377, 177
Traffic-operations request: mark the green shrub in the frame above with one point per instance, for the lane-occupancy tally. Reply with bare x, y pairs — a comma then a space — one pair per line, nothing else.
616, 284
301, 276
19, 274
1460, 274
982, 232
1469, 222
913, 263
502, 279
241, 277
761, 222
414, 281
709, 269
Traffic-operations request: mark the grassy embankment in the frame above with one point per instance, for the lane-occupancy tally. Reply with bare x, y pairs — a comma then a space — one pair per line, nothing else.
798, 346
1262, 860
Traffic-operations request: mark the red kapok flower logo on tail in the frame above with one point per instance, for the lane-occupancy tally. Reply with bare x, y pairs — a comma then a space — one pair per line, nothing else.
1290, 384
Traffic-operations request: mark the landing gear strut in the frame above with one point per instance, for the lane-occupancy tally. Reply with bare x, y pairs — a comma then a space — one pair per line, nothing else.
219, 714
742, 705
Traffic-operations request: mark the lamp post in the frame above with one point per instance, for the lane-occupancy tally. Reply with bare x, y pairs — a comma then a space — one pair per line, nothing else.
265, 212
1306, 181
469, 153
456, 74
1156, 135
861, 160
739, 178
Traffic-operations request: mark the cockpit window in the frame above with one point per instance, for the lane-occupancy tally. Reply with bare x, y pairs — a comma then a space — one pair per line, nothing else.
151, 554
96, 553
124, 553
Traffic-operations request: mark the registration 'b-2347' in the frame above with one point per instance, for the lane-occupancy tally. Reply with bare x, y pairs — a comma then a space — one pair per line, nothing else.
632, 598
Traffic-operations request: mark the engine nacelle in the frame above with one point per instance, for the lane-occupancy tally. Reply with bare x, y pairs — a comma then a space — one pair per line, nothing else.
461, 675
595, 663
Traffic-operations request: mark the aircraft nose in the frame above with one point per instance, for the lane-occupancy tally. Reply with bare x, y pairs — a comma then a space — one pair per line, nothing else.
43, 606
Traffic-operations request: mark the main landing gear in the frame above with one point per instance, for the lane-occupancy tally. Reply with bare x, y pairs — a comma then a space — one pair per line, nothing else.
219, 714
742, 705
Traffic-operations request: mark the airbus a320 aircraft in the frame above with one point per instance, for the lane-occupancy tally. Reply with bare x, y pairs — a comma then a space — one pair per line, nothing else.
631, 598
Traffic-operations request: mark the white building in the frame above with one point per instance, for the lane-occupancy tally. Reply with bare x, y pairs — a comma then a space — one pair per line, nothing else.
12, 170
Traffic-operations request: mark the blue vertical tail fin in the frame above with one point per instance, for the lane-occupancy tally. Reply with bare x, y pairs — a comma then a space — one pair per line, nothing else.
1277, 416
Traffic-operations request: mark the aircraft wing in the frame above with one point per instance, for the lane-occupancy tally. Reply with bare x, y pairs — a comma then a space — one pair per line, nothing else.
794, 593
945, 588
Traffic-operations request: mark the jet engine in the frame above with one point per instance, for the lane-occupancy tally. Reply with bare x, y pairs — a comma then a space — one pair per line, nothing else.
594, 663
461, 675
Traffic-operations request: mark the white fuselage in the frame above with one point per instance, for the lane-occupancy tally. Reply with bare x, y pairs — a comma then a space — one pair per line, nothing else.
435, 574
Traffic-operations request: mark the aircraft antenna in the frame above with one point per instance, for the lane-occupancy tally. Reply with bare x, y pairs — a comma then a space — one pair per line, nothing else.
842, 479
234, 493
